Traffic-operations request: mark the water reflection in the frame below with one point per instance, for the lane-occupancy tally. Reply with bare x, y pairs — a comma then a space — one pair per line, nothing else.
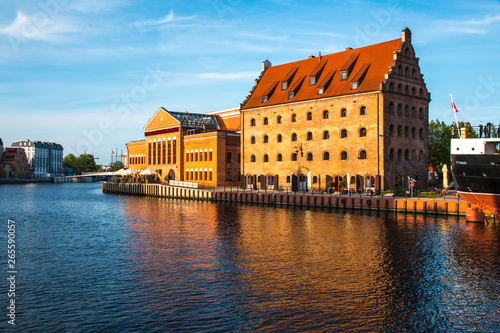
118, 263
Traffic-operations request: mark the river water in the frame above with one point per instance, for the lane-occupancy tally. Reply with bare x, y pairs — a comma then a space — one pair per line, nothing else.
93, 262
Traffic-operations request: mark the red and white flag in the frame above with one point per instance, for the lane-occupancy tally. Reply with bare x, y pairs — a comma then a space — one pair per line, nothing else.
453, 104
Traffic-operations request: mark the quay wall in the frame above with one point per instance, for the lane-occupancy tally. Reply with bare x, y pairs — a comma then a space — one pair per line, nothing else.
404, 205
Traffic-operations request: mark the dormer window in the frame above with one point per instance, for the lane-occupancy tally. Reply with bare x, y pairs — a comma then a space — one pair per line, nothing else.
354, 85
343, 75
321, 90
290, 94
264, 99
312, 80
284, 85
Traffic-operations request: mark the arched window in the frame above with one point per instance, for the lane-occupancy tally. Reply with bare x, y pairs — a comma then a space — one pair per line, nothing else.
407, 131
279, 158
315, 179
343, 113
400, 154
362, 132
309, 116
266, 158
421, 92
252, 122
407, 53
421, 133
398, 70
266, 121
294, 156
343, 155
326, 156
362, 155
407, 90
279, 138
391, 154
407, 111
413, 132
326, 114
294, 118
421, 113
391, 130
252, 158
229, 157
343, 133
413, 112
294, 136
407, 71
413, 91
413, 154
309, 156
326, 135
420, 155
309, 136
400, 88
407, 154
252, 140
391, 87
391, 108
400, 131
400, 109
362, 110
413, 73
266, 139
278, 119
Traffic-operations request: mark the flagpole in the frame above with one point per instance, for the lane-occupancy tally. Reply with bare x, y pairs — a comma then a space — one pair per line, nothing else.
455, 114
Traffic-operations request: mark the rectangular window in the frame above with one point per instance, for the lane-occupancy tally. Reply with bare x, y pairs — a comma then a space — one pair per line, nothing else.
164, 152
169, 151
290, 94
264, 99
210, 156
187, 157
154, 152
159, 152
206, 155
149, 154
210, 175
284, 85
174, 152
321, 90
312, 80
354, 85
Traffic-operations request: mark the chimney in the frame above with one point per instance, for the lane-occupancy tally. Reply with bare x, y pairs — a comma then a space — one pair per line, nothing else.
266, 64
319, 54
406, 35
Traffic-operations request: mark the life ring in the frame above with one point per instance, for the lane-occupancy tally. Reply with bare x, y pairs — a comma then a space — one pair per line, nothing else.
343, 201
368, 202
411, 183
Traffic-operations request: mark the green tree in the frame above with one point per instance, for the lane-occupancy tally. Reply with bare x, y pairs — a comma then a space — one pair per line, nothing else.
86, 163
440, 136
117, 166
70, 161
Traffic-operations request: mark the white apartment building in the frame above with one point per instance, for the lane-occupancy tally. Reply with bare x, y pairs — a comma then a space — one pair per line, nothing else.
44, 157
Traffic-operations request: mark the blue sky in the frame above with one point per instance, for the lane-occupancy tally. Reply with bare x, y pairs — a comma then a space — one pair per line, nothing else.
89, 74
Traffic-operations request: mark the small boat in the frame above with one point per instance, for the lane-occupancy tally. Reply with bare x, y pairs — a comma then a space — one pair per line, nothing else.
475, 166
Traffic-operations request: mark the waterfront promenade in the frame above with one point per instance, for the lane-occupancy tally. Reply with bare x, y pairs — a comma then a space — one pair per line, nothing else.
447, 206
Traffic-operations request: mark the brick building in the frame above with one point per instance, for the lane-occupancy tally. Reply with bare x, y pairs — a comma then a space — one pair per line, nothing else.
190, 147
13, 163
360, 116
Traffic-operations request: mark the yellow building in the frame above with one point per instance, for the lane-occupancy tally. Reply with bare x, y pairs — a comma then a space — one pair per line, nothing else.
189, 147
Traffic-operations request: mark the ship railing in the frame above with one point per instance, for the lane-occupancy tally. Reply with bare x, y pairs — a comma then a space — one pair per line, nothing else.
480, 131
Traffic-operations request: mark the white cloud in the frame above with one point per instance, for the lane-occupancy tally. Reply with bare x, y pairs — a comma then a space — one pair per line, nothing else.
170, 17
37, 27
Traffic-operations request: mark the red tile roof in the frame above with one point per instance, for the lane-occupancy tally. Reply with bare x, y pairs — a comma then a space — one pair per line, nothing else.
367, 65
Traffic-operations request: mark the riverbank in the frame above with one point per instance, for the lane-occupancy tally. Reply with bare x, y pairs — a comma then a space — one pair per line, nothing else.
275, 198
23, 181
